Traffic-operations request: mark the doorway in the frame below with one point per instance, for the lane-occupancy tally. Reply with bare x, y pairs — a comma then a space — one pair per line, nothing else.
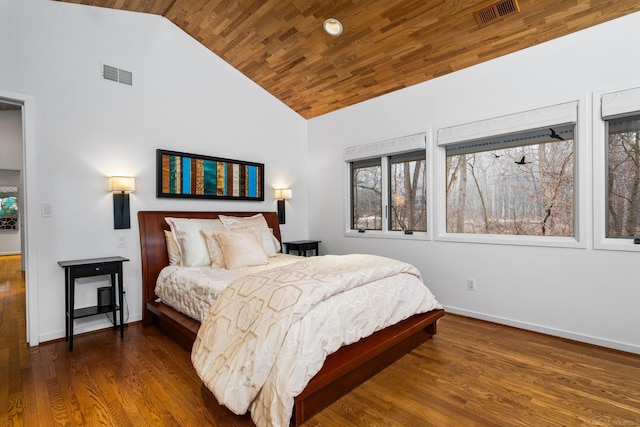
16, 111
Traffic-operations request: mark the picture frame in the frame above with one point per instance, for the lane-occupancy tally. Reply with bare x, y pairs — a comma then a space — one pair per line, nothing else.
196, 176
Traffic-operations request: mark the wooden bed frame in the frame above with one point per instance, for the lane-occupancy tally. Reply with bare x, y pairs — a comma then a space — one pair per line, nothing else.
342, 371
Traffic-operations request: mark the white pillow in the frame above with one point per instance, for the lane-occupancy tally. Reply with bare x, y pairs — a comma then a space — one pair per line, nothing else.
186, 233
276, 242
172, 248
241, 249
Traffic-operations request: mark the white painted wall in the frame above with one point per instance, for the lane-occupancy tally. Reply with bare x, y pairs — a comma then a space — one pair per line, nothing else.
183, 98
585, 294
10, 167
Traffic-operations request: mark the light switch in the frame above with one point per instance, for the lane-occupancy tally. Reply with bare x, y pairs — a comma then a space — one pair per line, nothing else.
46, 209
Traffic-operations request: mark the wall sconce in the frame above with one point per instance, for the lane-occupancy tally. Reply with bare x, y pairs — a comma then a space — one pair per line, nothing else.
282, 194
121, 186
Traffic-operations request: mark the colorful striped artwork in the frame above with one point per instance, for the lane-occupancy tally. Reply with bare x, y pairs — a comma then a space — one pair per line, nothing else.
191, 175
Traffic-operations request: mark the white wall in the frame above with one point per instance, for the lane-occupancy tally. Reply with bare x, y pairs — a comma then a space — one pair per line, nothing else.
183, 98
10, 167
585, 294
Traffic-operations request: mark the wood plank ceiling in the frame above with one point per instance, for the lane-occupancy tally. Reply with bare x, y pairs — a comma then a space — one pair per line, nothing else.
386, 44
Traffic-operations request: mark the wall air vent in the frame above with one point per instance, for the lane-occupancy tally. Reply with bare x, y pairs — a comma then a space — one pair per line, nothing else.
496, 10
117, 75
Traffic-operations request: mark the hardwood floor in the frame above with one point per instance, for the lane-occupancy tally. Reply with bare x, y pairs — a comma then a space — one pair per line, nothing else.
471, 373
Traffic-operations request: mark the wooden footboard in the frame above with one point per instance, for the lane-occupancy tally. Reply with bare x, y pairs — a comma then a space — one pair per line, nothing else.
353, 364
342, 371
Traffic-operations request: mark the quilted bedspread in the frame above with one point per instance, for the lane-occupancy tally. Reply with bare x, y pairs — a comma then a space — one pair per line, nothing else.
269, 333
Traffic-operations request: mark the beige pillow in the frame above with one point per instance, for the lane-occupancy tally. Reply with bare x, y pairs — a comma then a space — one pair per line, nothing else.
215, 253
266, 237
172, 248
241, 249
191, 243
232, 222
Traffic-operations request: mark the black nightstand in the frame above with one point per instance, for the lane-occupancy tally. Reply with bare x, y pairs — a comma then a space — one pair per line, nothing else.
76, 269
302, 247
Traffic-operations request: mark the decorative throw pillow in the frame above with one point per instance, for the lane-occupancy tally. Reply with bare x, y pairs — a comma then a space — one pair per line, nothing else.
215, 253
186, 233
241, 249
172, 248
256, 222
266, 237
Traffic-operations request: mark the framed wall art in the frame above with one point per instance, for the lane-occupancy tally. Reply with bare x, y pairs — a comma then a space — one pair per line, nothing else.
196, 176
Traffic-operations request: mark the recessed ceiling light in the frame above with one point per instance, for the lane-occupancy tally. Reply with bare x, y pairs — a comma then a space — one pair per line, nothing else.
333, 27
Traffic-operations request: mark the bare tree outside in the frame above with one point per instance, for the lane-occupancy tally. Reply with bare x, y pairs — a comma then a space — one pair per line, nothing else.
408, 192
366, 203
517, 190
623, 177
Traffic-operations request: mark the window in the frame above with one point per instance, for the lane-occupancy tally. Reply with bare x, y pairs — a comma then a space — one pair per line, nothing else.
387, 186
512, 175
366, 199
623, 176
408, 198
520, 184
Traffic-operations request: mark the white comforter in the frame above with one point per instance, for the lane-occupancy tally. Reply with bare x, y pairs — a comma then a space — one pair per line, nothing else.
192, 290
268, 334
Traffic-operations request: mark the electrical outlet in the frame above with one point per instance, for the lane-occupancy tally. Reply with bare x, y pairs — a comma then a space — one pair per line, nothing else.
471, 285
122, 241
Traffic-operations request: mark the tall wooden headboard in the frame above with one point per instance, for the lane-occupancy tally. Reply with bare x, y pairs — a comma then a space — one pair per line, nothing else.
153, 247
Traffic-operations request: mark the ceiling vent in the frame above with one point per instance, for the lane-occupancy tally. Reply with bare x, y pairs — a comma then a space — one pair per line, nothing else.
496, 11
117, 75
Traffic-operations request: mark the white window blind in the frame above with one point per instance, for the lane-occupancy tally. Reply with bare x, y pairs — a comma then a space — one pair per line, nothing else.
533, 119
623, 102
385, 148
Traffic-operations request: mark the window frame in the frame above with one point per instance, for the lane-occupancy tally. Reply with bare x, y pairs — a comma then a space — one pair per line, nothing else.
542, 116
384, 152
629, 105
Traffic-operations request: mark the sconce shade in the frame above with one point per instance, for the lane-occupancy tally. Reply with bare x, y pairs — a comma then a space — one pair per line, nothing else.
122, 184
283, 193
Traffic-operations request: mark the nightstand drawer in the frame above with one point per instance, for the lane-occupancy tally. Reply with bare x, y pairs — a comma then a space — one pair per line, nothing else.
307, 247
95, 269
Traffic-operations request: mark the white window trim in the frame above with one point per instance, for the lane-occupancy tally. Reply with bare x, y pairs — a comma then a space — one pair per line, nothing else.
384, 149
560, 113
608, 102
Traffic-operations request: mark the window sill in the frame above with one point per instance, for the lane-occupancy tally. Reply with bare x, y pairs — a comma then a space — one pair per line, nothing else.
496, 239
398, 235
607, 244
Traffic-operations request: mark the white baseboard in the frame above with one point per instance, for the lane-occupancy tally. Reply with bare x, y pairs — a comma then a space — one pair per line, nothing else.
630, 348
9, 253
89, 327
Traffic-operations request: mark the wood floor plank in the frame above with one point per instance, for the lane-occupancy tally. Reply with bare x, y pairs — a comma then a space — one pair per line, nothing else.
473, 373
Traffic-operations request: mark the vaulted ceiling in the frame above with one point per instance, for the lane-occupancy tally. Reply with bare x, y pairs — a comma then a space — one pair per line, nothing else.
386, 44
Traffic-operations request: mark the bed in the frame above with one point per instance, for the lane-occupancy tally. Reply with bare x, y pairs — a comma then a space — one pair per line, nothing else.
341, 372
